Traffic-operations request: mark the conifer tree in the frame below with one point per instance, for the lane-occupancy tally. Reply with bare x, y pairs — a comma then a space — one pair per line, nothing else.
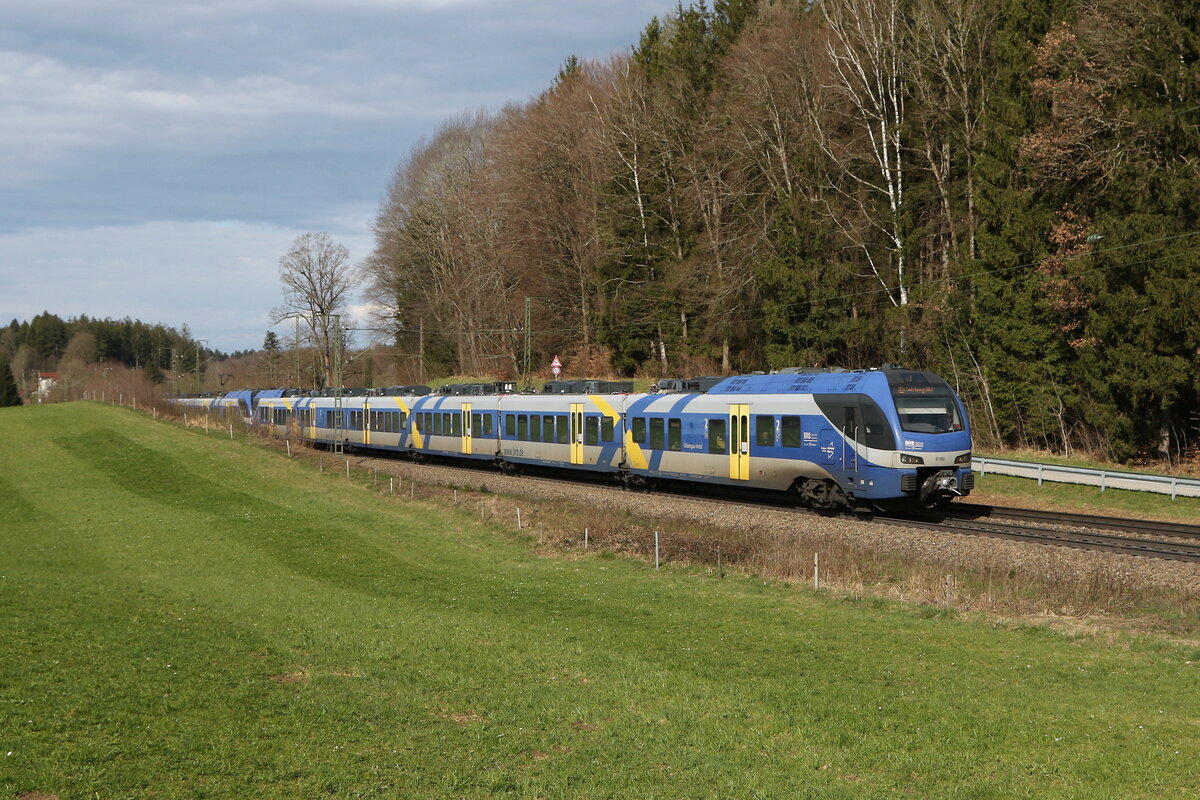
9, 396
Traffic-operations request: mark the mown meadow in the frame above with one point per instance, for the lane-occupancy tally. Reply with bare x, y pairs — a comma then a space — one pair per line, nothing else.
186, 616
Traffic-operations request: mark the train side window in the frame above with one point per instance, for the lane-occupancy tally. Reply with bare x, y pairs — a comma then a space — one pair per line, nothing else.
523, 427
607, 429
674, 434
548, 423
657, 427
564, 435
591, 431
403, 420
477, 424
791, 431
764, 430
717, 439
456, 424
876, 431
535, 428
437, 424
487, 424
510, 425
639, 430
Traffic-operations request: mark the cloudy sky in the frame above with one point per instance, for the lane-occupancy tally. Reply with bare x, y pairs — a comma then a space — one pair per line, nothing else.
158, 157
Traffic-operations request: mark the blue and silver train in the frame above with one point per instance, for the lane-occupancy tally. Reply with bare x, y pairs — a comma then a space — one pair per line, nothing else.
834, 439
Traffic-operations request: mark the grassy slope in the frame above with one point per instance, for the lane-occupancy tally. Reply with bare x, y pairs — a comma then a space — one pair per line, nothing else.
186, 617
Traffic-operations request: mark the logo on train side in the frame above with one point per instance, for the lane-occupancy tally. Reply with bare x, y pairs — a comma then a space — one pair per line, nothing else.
912, 444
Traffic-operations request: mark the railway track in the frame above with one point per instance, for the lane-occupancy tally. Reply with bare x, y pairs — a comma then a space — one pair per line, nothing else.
1020, 524
1145, 526
1084, 532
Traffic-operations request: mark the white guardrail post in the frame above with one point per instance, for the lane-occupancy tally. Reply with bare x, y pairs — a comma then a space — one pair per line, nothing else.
1105, 479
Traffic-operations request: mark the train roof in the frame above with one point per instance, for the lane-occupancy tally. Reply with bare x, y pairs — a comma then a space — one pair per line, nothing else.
828, 382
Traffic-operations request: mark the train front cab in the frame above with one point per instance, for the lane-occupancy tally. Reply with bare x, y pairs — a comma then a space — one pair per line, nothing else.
933, 454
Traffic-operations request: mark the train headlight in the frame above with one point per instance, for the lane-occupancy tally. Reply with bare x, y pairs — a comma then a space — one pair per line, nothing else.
905, 458
965, 458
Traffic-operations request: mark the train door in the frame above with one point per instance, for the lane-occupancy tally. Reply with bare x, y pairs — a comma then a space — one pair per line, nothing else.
466, 429
849, 437
576, 428
739, 442
366, 412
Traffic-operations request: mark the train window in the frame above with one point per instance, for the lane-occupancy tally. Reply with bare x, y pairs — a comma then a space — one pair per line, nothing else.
764, 430
674, 434
548, 428
476, 424
791, 431
606, 429
437, 424
933, 413
876, 431
591, 431
717, 440
535, 428
859, 418
487, 424
523, 427
455, 424
564, 435
656, 433
639, 430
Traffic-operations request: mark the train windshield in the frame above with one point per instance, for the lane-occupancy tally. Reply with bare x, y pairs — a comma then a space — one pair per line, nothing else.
925, 403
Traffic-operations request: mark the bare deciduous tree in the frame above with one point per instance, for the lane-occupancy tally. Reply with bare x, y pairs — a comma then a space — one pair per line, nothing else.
316, 279
869, 58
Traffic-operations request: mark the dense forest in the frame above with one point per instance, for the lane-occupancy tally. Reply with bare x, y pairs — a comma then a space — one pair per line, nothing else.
49, 343
1004, 191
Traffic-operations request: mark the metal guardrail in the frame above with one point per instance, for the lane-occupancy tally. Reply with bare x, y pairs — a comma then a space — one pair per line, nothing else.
1105, 479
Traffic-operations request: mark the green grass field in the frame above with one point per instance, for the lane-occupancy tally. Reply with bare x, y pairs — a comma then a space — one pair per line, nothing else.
183, 616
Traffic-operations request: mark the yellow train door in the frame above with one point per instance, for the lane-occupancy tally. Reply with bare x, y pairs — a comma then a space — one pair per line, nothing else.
576, 429
739, 442
466, 429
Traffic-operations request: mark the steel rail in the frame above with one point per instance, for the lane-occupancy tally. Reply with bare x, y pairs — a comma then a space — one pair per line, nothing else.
1147, 526
1087, 540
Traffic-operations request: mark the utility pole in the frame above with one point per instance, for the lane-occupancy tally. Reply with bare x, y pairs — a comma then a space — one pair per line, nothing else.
525, 371
339, 426
296, 351
421, 351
